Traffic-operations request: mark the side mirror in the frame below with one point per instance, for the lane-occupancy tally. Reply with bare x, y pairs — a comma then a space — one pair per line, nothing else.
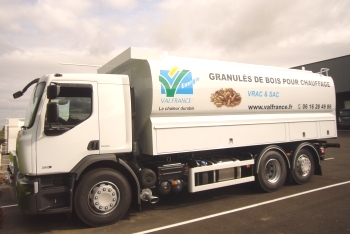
52, 113
17, 94
52, 91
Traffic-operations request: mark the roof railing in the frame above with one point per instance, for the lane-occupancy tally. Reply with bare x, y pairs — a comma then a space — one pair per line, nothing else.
323, 70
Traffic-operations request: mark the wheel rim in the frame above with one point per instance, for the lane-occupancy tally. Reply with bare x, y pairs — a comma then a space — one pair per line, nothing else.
103, 198
273, 171
303, 165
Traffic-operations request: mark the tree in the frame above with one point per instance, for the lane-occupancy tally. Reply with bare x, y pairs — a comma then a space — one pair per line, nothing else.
2, 133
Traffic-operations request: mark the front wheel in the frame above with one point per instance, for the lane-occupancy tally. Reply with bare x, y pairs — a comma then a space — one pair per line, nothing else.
272, 171
102, 197
303, 167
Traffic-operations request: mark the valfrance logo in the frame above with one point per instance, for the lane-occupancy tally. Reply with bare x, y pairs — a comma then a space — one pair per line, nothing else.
176, 81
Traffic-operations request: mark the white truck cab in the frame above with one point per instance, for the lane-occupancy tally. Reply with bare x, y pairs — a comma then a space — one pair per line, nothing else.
56, 148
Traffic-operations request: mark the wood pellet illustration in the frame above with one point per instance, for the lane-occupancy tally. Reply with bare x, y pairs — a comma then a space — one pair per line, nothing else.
226, 97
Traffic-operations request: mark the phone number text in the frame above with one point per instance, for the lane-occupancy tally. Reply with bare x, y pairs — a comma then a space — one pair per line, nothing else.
314, 106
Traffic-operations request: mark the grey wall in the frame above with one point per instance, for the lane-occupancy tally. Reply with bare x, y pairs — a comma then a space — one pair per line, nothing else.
339, 71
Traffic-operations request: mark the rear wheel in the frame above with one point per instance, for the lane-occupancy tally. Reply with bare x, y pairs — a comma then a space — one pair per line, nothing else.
102, 197
272, 171
303, 167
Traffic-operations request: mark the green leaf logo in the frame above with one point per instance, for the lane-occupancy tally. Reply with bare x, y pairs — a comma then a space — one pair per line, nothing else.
170, 80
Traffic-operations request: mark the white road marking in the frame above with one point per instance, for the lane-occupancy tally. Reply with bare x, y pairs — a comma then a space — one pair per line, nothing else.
239, 209
328, 159
8, 206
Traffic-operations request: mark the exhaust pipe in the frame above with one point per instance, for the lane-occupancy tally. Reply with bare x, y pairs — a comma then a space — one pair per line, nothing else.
146, 195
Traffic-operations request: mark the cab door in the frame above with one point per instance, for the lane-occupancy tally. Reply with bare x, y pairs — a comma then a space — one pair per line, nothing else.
61, 146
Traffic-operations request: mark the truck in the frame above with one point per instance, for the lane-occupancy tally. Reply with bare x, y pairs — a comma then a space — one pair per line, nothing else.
148, 124
11, 128
8, 144
344, 119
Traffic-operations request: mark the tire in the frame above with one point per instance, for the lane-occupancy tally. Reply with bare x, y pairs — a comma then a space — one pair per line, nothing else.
272, 171
303, 167
102, 197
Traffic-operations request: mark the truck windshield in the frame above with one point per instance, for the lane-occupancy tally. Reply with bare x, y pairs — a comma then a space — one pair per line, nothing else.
34, 102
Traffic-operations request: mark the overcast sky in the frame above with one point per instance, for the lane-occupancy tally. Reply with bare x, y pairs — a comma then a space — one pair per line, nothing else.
35, 35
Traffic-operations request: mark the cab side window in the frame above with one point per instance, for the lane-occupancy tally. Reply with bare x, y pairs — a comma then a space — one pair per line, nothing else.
75, 105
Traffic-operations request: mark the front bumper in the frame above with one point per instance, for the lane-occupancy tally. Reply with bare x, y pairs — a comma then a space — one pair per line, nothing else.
27, 191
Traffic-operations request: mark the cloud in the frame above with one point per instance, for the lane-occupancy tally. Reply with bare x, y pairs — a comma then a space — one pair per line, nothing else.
126, 5
7, 48
72, 25
244, 31
35, 35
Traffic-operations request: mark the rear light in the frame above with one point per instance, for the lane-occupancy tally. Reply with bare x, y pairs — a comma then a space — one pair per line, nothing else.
322, 151
186, 167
